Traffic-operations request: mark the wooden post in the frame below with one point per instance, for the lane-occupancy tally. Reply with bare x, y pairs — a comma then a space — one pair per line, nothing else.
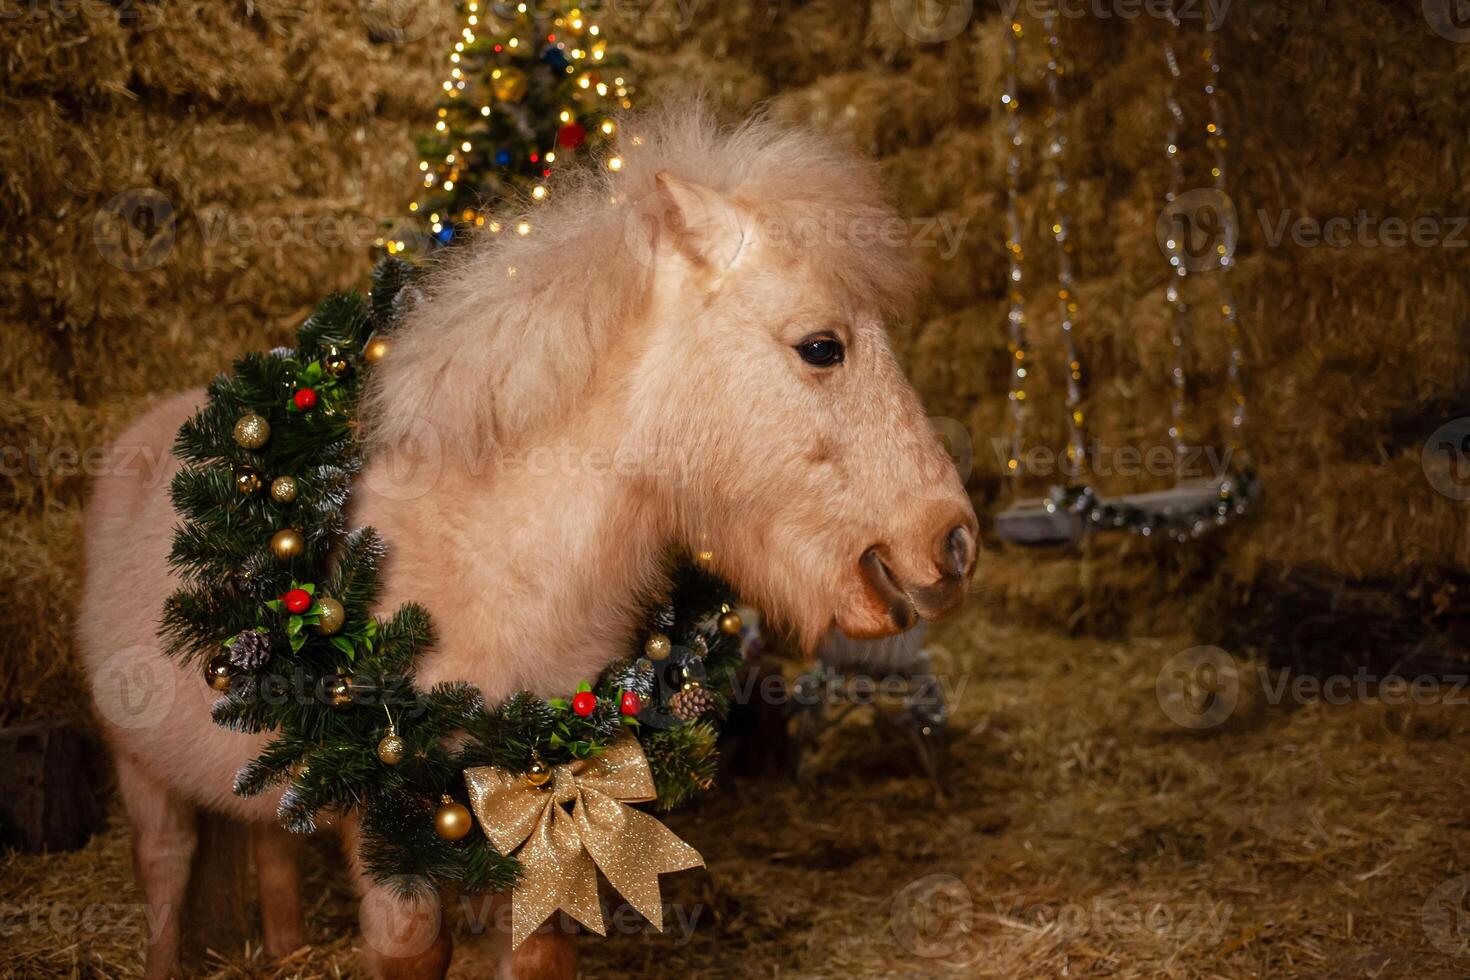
48, 771
215, 918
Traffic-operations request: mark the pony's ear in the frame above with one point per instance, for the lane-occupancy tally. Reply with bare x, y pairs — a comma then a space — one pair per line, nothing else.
703, 224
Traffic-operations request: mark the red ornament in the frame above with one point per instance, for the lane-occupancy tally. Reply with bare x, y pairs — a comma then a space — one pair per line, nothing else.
304, 398
630, 703
297, 601
583, 703
571, 135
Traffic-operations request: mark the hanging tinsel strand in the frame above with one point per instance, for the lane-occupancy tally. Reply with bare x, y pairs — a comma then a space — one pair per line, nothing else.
1056, 146
1216, 141
1179, 269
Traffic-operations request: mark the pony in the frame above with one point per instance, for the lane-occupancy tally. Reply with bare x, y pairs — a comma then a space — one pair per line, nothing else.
687, 351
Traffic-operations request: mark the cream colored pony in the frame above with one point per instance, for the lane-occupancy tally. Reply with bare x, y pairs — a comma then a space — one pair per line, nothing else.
688, 352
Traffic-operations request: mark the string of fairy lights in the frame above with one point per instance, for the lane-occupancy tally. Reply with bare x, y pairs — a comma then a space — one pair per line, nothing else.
1015, 280
1055, 152
561, 42
1174, 247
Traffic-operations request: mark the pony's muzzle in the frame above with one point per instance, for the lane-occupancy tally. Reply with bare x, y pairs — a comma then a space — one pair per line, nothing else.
904, 603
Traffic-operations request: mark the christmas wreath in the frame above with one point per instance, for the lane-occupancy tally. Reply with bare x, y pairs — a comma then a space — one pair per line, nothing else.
277, 604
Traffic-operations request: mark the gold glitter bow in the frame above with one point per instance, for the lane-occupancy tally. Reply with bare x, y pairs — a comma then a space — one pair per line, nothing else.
560, 852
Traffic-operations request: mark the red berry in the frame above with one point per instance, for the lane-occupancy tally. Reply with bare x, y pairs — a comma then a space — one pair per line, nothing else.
630, 703
304, 398
583, 703
571, 136
297, 601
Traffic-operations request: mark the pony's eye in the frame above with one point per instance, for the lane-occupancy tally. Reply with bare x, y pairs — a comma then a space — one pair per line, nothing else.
821, 351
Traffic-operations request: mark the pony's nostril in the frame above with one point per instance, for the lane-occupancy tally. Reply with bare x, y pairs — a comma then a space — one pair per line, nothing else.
957, 551
880, 580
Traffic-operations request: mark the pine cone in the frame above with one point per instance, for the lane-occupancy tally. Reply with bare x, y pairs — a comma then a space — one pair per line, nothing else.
251, 650
689, 703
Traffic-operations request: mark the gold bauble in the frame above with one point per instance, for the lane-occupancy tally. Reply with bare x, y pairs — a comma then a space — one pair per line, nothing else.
338, 690
252, 431
452, 820
657, 646
376, 350
333, 615
510, 85
287, 543
391, 749
335, 363
247, 481
283, 489
218, 673
539, 773
730, 623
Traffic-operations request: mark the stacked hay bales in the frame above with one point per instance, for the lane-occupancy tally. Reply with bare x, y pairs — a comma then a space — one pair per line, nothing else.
279, 135
182, 182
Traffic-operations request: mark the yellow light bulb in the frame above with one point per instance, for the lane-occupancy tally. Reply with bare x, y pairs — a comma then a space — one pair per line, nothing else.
566, 116
449, 185
523, 227
413, 206
538, 192
465, 146
550, 156
608, 127
615, 164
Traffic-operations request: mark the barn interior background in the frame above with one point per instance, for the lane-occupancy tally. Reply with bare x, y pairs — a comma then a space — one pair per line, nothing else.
1295, 836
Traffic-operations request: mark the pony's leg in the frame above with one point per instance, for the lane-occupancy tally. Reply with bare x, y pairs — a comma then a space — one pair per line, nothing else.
164, 836
278, 875
405, 938
549, 953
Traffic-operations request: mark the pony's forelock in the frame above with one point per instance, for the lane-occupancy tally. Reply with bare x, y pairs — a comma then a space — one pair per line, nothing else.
508, 329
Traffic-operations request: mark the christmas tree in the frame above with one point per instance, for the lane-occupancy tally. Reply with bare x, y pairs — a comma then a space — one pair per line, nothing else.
530, 87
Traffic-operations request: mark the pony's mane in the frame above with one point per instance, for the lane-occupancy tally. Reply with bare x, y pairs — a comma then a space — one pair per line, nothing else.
507, 332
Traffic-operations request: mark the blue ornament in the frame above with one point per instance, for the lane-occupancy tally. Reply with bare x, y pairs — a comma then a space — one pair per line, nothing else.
502, 158
555, 57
